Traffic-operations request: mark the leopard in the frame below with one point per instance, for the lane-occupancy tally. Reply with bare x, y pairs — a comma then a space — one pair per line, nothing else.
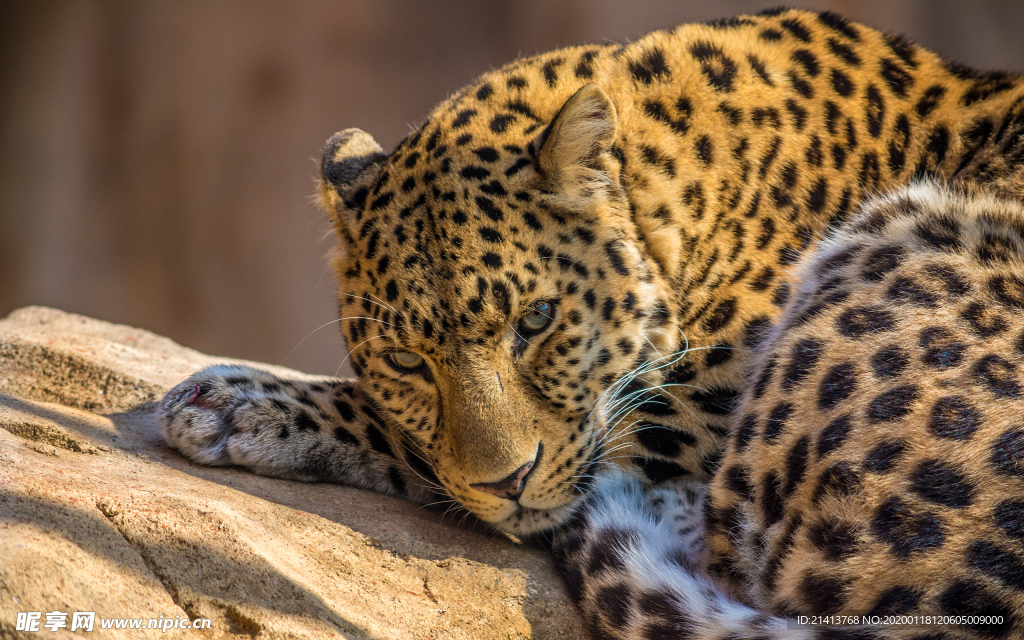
727, 317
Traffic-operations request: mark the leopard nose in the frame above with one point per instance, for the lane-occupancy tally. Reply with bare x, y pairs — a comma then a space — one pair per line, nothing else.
510, 487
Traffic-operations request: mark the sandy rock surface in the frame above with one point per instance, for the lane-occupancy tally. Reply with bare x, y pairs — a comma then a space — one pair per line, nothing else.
98, 514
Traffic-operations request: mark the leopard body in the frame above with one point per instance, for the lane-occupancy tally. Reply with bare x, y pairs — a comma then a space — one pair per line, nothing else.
587, 277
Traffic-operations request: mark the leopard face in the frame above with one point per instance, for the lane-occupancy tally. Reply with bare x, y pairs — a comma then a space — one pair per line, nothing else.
489, 316
569, 265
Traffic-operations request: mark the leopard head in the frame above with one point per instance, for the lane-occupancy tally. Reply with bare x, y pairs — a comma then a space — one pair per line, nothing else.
492, 290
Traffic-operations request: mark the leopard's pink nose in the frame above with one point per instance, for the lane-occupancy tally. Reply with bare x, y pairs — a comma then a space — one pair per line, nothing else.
509, 488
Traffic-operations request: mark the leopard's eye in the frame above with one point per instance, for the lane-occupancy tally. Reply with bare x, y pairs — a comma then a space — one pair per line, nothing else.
407, 359
538, 317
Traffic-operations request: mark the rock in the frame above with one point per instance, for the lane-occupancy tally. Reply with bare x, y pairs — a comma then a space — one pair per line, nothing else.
98, 514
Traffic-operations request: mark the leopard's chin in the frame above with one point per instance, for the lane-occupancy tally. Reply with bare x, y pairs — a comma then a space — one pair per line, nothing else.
524, 521
521, 517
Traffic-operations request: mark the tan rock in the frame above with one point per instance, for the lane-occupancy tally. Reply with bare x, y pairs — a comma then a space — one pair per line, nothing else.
98, 514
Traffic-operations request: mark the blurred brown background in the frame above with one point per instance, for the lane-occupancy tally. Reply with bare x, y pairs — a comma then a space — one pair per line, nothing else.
157, 158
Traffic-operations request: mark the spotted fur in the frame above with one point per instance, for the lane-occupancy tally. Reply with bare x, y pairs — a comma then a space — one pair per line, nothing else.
876, 461
653, 200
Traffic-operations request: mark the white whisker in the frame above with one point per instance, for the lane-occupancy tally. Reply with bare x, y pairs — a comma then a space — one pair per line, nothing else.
386, 324
383, 304
350, 351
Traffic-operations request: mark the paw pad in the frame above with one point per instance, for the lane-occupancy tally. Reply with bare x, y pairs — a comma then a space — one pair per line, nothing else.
196, 398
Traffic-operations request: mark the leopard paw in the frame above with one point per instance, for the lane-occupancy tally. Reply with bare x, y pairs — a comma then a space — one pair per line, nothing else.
198, 416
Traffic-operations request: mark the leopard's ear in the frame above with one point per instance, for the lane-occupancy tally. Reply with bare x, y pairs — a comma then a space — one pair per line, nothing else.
575, 147
351, 161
